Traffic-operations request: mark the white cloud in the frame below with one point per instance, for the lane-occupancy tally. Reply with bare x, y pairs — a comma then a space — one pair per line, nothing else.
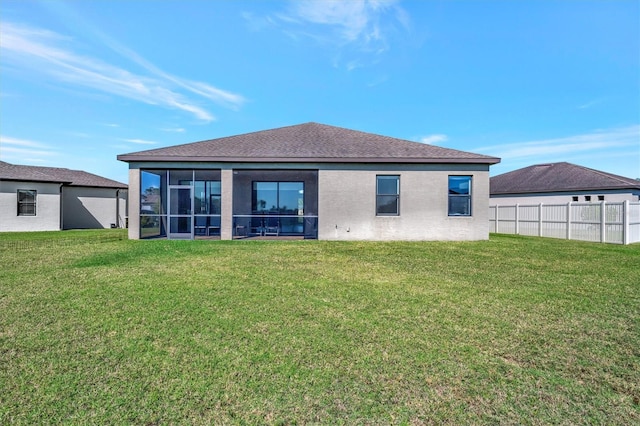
121, 147
174, 129
590, 104
42, 51
353, 19
433, 139
358, 27
552, 149
139, 141
222, 97
79, 134
6, 140
23, 150
257, 23
34, 160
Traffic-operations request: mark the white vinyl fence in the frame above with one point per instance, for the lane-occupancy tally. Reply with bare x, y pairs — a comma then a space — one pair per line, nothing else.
617, 223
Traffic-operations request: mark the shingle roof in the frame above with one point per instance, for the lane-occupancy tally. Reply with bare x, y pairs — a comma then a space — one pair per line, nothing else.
56, 175
310, 142
558, 177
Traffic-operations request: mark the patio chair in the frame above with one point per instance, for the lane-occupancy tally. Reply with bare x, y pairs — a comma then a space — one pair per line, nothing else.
200, 227
272, 226
257, 226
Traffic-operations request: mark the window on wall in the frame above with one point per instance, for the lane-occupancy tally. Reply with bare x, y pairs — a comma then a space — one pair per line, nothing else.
27, 202
459, 195
278, 197
387, 195
284, 201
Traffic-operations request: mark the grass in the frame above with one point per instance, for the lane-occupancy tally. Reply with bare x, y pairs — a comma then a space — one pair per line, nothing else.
98, 329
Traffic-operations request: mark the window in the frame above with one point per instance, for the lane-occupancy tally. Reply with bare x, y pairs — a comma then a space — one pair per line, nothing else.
285, 198
459, 195
278, 207
207, 197
27, 202
574, 198
388, 196
600, 197
587, 197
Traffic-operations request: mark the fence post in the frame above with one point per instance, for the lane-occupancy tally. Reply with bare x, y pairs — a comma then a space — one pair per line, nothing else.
569, 220
603, 222
517, 220
625, 222
497, 215
540, 220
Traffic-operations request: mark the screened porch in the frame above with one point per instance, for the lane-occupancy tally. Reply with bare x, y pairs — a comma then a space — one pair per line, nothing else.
188, 204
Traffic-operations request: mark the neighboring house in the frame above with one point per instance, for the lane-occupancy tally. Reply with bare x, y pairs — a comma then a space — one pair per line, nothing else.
36, 198
309, 180
560, 183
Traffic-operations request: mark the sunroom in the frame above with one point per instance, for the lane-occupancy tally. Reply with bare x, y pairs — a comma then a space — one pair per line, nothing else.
188, 203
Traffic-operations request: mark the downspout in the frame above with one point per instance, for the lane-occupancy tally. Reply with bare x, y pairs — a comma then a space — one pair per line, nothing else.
61, 207
118, 208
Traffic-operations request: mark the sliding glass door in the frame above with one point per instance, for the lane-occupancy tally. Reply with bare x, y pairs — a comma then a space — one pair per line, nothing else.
282, 201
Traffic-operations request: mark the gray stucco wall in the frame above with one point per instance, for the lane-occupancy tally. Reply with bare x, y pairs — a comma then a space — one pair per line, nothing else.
91, 208
347, 205
134, 203
47, 216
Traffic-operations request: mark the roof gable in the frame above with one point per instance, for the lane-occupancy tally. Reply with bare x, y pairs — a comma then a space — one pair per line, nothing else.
558, 177
55, 175
310, 142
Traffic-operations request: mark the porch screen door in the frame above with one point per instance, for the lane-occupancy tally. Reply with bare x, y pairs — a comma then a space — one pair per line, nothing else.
180, 212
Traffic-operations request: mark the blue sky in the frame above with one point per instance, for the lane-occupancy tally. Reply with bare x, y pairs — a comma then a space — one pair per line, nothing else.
527, 81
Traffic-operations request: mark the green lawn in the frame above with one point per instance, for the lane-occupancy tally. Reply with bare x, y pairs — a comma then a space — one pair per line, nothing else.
97, 329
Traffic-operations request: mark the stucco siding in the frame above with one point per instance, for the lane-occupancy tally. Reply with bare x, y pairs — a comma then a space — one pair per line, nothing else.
347, 205
89, 207
134, 203
226, 219
47, 216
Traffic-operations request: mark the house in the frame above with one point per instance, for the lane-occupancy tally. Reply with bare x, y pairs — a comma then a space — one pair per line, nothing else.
561, 183
36, 198
309, 180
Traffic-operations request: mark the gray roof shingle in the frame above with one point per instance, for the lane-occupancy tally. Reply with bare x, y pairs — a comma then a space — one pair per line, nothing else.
56, 175
309, 142
557, 177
